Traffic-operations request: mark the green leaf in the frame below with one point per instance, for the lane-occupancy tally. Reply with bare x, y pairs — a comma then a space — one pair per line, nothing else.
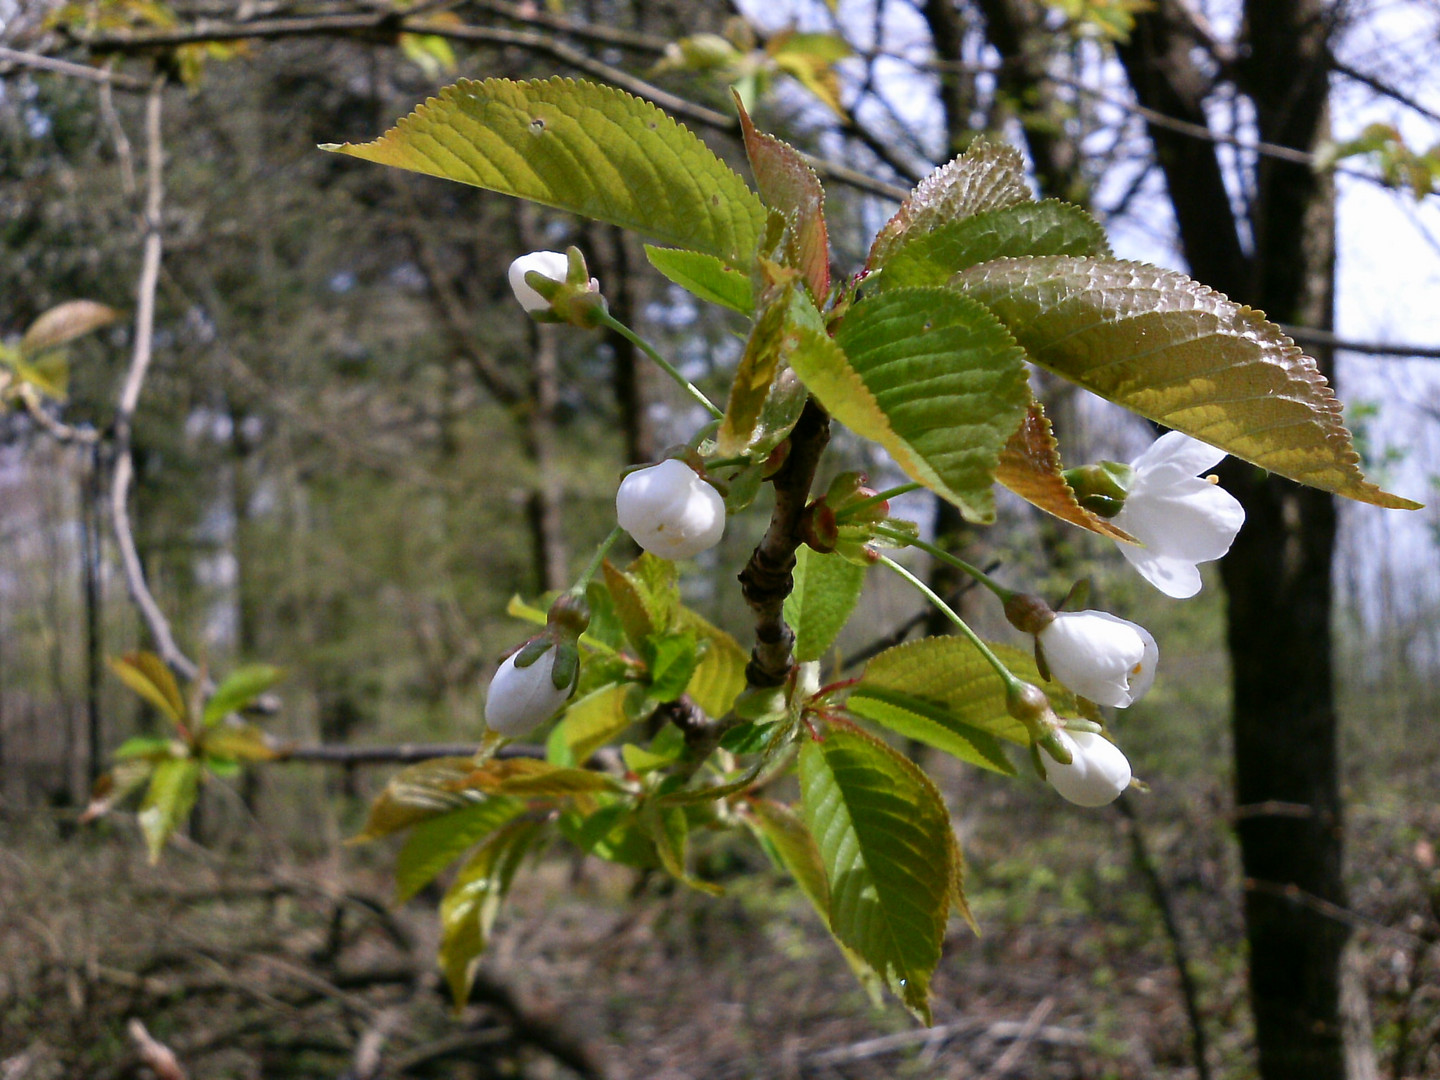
49, 373
433, 844
63, 323
670, 831
704, 276
240, 688
1051, 227
940, 385
147, 675
1181, 354
613, 833
884, 836
941, 691
468, 910
243, 742
988, 176
789, 185
588, 724
827, 587
676, 657
174, 786
646, 596
789, 842
149, 747
773, 338
720, 676
593, 150
420, 792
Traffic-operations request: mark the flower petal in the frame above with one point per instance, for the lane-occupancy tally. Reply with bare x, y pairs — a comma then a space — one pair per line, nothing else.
1189, 518
1180, 451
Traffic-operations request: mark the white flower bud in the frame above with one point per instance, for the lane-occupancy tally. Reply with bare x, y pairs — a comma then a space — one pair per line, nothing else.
670, 511
1096, 776
1181, 518
1100, 656
551, 264
523, 698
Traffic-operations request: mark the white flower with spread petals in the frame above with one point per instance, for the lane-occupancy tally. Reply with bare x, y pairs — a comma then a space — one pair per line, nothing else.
670, 511
522, 698
1096, 776
1181, 518
1100, 656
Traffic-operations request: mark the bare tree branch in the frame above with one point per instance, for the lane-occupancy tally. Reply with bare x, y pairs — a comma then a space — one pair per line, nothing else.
140, 357
37, 62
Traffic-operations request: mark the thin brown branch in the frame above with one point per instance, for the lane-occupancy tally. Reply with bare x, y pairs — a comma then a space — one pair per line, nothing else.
382, 27
399, 754
1180, 953
767, 579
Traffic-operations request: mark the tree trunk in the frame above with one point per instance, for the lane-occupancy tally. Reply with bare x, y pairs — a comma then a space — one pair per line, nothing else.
1278, 574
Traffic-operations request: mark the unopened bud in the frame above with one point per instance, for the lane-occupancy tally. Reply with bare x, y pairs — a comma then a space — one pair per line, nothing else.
1101, 487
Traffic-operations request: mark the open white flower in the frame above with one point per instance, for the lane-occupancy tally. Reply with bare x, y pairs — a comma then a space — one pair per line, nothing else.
670, 511
1100, 656
1181, 518
522, 698
1096, 776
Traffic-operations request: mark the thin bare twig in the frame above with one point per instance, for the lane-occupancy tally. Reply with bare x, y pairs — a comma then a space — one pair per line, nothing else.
1180, 953
141, 355
1033, 1023
39, 62
154, 1053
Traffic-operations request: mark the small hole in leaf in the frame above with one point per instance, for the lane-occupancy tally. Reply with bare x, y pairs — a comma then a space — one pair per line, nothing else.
537, 125
714, 199
928, 325
653, 125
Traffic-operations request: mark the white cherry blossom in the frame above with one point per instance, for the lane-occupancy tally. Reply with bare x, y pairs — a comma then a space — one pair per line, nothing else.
1181, 518
551, 264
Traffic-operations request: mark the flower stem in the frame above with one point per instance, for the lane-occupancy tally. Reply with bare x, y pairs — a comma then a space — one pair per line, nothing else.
850, 508
944, 556
604, 318
604, 549
1012, 683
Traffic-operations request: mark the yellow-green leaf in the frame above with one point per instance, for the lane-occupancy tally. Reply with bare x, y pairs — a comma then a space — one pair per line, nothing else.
704, 276
883, 833
174, 785
63, 323
468, 910
419, 792
147, 675
433, 844
1181, 354
593, 150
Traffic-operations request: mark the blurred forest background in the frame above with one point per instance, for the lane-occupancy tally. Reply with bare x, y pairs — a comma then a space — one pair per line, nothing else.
352, 449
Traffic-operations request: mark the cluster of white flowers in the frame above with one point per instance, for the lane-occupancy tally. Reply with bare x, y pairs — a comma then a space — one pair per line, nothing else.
1179, 518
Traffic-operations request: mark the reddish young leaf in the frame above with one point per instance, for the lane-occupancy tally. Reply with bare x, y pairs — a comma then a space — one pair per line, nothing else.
789, 185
